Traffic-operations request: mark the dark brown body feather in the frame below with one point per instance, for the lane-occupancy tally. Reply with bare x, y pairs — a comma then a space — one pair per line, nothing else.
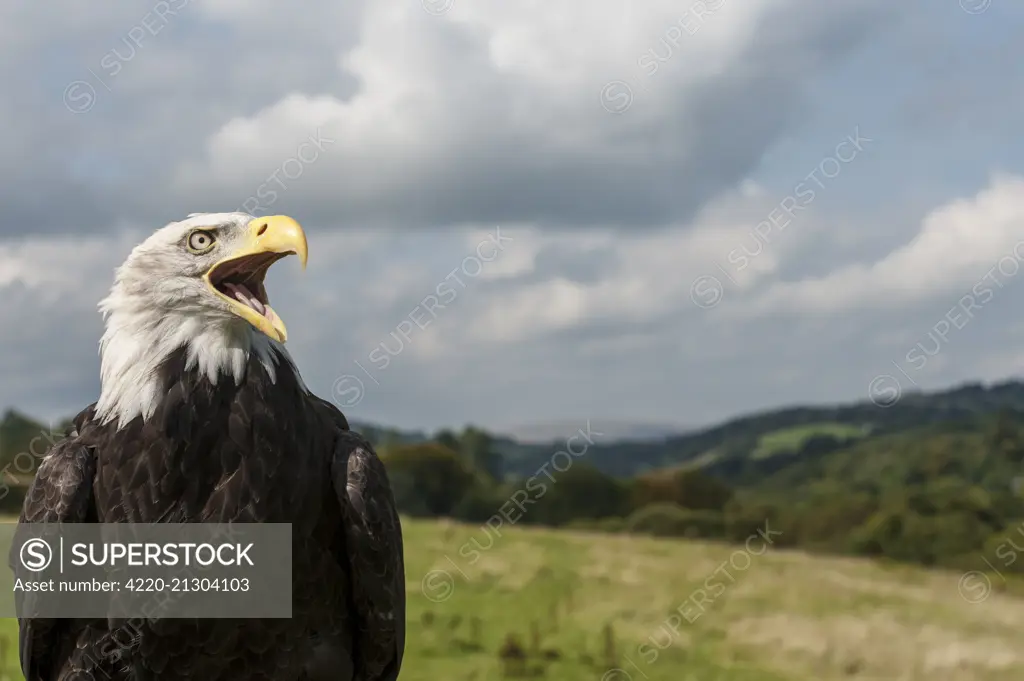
261, 451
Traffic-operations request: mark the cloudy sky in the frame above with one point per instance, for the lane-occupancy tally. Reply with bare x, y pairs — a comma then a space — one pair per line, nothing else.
541, 210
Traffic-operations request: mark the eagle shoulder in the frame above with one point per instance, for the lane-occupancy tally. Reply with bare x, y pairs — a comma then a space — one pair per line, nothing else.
62, 488
329, 412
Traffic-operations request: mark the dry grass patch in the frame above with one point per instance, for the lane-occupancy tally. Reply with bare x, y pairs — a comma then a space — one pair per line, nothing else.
879, 646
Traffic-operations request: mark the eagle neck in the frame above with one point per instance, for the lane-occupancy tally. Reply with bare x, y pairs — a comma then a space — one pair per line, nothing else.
136, 346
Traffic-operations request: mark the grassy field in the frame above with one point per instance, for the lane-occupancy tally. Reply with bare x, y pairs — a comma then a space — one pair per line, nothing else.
790, 439
574, 606
592, 607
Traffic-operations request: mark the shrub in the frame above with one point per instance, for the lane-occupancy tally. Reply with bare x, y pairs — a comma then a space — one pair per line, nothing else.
670, 520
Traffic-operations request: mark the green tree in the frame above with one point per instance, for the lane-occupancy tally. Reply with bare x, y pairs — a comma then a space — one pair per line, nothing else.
449, 439
428, 478
23, 442
580, 492
477, 446
671, 520
688, 488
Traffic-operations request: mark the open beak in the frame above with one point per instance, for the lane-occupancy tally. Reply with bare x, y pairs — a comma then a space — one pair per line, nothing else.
239, 277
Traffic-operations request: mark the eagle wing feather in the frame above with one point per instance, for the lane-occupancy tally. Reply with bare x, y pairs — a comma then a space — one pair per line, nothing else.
373, 542
60, 493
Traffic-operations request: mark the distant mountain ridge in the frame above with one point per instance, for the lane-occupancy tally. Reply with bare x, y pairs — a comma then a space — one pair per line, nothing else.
611, 430
720, 449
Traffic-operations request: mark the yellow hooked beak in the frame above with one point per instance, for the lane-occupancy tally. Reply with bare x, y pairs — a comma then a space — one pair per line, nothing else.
238, 278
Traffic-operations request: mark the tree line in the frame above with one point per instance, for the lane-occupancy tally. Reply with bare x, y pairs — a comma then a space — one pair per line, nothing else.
939, 496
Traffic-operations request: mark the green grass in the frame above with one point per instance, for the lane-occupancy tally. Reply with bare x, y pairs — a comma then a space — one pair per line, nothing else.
591, 607
790, 439
9, 668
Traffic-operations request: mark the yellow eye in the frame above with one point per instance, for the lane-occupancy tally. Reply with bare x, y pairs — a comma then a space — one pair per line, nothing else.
200, 241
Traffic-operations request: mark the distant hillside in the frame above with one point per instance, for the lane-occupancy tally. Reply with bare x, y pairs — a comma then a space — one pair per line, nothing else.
791, 447
771, 437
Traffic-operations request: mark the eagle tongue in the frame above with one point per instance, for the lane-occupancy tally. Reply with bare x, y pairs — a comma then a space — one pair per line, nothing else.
245, 296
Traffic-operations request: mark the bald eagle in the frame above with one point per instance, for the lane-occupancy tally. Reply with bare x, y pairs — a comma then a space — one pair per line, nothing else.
202, 417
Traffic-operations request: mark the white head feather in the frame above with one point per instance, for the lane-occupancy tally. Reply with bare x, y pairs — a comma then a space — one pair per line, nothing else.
159, 303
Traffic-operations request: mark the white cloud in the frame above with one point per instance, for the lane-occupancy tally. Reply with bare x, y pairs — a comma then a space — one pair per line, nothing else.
61, 266
643, 277
959, 245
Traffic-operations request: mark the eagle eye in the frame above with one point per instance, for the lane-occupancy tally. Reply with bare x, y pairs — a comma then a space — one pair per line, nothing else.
200, 241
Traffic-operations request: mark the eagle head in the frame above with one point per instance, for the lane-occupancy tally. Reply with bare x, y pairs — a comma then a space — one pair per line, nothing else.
195, 285
210, 265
